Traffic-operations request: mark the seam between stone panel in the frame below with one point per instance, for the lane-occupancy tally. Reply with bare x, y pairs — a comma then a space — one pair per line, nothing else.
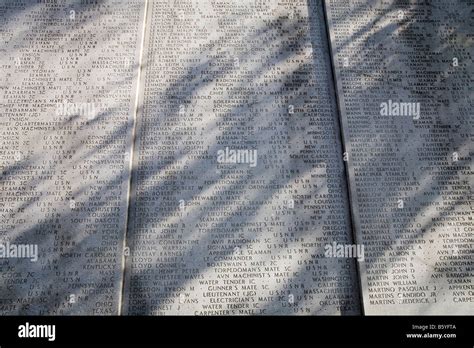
131, 155
352, 225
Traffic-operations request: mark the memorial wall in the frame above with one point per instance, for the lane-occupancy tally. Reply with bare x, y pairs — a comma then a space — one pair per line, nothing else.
239, 180
68, 87
404, 77
221, 157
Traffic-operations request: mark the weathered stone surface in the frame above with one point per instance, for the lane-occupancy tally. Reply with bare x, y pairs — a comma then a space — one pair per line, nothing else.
68, 87
410, 173
227, 114
212, 238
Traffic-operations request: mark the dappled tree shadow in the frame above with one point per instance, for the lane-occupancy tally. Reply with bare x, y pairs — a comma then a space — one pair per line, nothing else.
66, 191
231, 88
229, 228
393, 56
